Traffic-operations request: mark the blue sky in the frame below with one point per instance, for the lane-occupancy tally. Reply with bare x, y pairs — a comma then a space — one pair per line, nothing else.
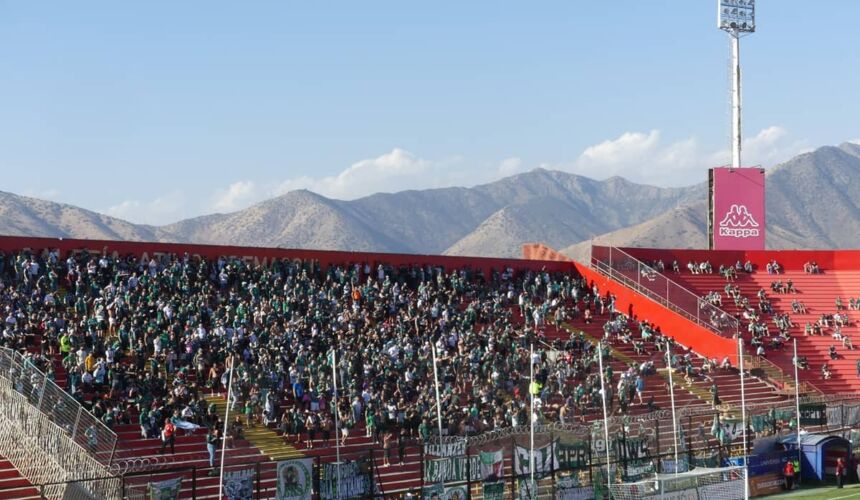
154, 111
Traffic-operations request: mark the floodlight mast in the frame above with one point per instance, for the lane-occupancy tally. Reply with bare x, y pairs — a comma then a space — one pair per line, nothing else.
737, 18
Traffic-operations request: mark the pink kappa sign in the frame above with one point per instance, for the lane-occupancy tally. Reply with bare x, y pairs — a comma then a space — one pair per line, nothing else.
739, 209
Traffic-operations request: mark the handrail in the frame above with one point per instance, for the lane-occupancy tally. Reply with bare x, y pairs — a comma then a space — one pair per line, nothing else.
92, 435
805, 387
610, 269
661, 289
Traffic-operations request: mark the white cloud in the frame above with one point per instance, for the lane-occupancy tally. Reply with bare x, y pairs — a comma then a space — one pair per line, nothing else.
511, 166
235, 196
767, 148
854, 141
620, 151
638, 156
645, 157
393, 171
169, 207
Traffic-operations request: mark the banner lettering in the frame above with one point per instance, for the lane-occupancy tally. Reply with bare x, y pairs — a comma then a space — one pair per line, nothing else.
346, 480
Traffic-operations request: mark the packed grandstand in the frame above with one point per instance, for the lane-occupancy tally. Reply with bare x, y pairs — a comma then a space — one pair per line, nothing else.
161, 369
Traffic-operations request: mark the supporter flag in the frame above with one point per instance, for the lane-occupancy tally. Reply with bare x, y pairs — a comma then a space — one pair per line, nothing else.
491, 465
295, 479
165, 490
494, 490
433, 492
239, 485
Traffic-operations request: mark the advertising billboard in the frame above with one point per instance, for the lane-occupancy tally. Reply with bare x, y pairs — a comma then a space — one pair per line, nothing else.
737, 210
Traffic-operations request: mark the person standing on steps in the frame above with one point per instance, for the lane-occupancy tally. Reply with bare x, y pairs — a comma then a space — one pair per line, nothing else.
387, 444
401, 444
212, 440
168, 436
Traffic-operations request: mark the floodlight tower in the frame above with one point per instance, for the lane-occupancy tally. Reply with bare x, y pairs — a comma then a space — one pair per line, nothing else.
737, 18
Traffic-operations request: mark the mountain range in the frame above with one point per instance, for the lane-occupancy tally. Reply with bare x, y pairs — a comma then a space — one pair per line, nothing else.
812, 202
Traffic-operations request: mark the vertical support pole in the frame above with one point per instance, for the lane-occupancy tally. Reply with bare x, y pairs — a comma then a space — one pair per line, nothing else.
513, 468
552, 450
797, 409
334, 375
532, 415
421, 456
258, 480
672, 393
232, 363
438, 399
744, 418
468, 471
657, 435
736, 100
605, 417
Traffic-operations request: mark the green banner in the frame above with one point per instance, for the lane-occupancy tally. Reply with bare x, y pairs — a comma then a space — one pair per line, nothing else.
452, 469
527, 489
494, 490
350, 479
572, 455
544, 460
813, 414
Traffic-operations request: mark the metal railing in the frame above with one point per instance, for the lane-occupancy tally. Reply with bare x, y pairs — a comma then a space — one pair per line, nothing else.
633, 273
777, 376
572, 456
49, 439
60, 408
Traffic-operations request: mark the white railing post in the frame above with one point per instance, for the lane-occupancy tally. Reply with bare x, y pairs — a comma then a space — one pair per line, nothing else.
77, 421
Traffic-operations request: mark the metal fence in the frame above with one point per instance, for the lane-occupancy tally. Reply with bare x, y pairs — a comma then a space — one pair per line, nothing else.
628, 270
571, 461
60, 408
42, 445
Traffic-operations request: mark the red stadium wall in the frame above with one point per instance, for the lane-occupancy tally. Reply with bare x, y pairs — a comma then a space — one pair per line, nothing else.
686, 332
262, 255
788, 259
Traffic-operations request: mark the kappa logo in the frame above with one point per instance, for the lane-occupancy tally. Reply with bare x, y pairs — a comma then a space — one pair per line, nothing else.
739, 223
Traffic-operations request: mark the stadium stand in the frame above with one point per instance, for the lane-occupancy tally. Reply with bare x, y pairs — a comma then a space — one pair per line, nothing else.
142, 334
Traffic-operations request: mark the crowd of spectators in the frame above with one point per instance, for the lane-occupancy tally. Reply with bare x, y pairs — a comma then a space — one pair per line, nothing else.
759, 313
143, 341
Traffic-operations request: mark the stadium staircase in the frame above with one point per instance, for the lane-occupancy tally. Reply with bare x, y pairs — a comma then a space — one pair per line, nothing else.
13, 485
818, 293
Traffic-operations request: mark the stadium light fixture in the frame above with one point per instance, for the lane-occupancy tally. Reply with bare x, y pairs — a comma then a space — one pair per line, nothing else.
736, 15
737, 18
